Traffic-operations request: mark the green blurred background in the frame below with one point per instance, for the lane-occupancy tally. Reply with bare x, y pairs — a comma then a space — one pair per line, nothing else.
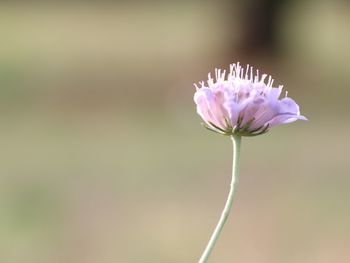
103, 158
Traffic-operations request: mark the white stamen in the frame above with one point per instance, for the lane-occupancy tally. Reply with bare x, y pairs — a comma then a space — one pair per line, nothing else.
237, 74
210, 80
256, 79
269, 81
223, 75
231, 69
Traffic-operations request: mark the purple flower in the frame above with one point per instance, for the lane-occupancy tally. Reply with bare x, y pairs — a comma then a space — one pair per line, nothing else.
242, 103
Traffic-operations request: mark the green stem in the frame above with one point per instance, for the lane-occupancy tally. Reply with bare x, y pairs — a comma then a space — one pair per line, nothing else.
236, 141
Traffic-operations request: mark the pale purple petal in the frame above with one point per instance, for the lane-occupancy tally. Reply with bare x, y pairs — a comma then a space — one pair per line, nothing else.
203, 107
233, 110
274, 93
284, 118
250, 111
288, 105
208, 107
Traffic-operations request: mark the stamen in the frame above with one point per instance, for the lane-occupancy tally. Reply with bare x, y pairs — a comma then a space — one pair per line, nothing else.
223, 75
238, 69
231, 69
257, 76
210, 80
263, 77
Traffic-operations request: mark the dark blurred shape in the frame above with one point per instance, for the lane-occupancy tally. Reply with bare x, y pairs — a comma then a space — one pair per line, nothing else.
260, 24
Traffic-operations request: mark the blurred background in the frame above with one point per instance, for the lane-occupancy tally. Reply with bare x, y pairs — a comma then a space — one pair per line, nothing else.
103, 158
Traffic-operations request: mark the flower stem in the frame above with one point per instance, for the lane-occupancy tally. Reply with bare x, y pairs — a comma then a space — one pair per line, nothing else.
236, 143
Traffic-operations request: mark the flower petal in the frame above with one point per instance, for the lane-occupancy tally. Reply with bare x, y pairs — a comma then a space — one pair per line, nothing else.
284, 118
208, 108
288, 105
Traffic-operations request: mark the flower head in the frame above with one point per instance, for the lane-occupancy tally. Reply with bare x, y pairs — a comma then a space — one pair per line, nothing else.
242, 103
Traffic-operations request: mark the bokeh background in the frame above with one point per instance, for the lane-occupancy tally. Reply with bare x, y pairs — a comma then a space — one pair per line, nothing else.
103, 158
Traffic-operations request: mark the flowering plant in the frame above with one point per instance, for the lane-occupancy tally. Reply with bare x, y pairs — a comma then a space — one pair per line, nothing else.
238, 104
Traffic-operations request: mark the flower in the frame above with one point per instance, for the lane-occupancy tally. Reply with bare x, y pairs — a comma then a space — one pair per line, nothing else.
242, 103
